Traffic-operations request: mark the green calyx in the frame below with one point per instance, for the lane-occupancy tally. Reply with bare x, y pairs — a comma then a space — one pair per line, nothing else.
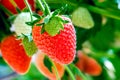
54, 26
29, 46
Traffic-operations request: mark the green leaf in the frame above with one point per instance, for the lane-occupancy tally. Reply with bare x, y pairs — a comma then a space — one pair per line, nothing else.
29, 46
31, 23
54, 26
42, 30
82, 18
103, 39
36, 15
48, 63
58, 11
47, 19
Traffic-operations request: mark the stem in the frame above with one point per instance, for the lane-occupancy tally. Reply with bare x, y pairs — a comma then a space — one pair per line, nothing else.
107, 13
29, 9
41, 5
80, 73
46, 7
56, 71
111, 14
6, 10
69, 71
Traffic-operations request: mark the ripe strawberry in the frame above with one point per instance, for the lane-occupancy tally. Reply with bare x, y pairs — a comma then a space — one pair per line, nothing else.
78, 78
19, 23
20, 4
82, 60
61, 47
92, 67
88, 65
39, 61
14, 54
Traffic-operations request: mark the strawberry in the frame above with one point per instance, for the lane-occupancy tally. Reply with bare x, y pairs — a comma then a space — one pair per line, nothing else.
88, 65
81, 17
14, 54
61, 47
19, 23
82, 60
20, 4
39, 62
92, 67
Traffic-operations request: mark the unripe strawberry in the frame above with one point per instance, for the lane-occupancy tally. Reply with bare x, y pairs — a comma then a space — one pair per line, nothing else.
82, 18
61, 47
20, 23
39, 62
14, 54
19, 3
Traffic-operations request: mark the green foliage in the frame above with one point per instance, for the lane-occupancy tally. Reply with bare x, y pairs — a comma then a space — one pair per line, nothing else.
48, 63
103, 39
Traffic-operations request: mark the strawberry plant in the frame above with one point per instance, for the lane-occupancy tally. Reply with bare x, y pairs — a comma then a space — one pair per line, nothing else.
59, 39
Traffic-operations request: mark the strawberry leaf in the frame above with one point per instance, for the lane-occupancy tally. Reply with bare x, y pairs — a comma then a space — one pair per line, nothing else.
48, 63
29, 46
54, 26
42, 30
47, 19
36, 15
31, 23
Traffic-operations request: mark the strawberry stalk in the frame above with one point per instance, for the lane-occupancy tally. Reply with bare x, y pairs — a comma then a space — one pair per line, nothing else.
79, 72
27, 4
41, 6
47, 10
70, 72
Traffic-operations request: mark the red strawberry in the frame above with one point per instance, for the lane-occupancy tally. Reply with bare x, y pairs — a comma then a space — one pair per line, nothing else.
61, 48
92, 67
20, 4
88, 65
14, 54
39, 61
82, 60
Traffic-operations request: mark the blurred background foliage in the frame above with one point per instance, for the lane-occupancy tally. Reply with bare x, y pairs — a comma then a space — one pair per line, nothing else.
101, 42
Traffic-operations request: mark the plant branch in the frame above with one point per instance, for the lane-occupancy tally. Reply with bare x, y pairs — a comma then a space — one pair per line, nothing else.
41, 5
46, 7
